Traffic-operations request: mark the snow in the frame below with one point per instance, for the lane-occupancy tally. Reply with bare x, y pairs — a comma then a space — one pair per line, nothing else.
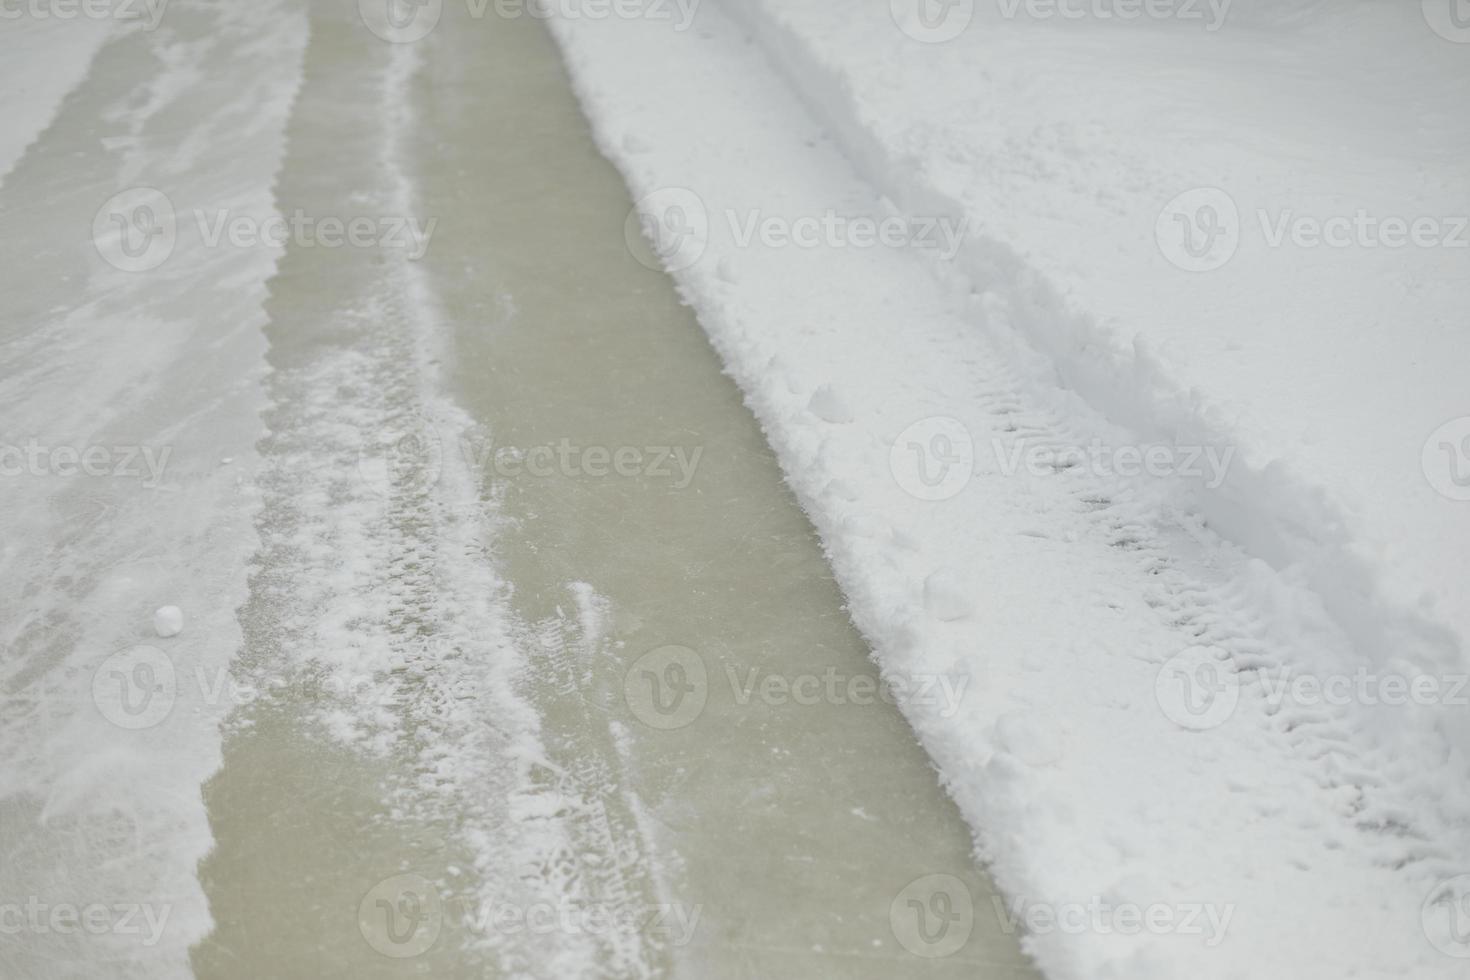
1330, 368
168, 621
1120, 366
103, 804
827, 405
946, 596
1138, 487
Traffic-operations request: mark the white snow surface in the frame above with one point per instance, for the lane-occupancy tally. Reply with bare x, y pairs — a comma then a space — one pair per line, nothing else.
1142, 725
168, 621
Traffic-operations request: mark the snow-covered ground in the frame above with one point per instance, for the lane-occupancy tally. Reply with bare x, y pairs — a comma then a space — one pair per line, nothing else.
1154, 421
1115, 349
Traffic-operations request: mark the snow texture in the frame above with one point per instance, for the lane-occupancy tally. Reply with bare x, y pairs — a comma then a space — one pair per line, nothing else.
1144, 502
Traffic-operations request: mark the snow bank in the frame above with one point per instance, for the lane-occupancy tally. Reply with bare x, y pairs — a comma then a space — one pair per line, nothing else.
1126, 741
1071, 148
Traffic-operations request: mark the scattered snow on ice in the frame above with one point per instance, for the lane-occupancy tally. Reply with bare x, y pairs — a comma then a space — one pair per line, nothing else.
97, 803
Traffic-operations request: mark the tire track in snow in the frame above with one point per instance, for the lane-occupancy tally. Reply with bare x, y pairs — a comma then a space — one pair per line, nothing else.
1367, 758
375, 610
1290, 526
606, 861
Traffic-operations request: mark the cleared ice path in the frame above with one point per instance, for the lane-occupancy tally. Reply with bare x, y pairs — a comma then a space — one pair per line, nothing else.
559, 681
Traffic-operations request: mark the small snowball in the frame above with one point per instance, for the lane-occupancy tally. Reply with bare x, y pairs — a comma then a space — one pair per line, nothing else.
829, 406
168, 621
945, 596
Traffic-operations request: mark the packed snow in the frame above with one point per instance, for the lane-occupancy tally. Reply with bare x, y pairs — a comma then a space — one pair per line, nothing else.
168, 621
